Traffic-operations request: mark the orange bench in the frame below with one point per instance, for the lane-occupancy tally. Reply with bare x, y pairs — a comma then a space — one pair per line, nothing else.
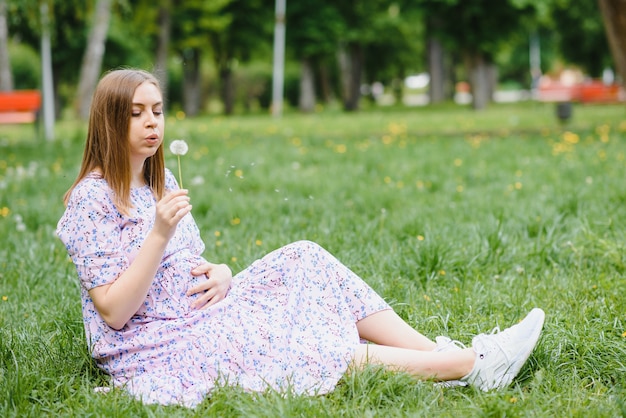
19, 106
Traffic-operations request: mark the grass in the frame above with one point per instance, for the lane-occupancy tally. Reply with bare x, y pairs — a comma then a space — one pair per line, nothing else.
461, 220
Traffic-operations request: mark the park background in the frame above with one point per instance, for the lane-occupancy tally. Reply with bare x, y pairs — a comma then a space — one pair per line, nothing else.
462, 209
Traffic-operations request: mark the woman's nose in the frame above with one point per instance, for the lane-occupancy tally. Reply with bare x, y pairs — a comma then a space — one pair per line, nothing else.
151, 120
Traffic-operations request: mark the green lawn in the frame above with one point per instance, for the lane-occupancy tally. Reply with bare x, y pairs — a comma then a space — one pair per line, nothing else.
462, 220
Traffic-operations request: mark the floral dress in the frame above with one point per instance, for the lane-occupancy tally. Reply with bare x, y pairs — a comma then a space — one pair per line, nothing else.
287, 323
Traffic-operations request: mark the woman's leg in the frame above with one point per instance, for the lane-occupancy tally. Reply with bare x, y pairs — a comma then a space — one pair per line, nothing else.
387, 328
422, 364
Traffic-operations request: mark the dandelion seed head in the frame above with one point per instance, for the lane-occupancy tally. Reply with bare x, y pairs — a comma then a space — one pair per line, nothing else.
179, 147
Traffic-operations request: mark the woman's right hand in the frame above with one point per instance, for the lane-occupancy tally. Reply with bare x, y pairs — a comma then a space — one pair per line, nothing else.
169, 211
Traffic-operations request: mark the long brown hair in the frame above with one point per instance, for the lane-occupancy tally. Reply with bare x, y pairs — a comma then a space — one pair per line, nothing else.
107, 148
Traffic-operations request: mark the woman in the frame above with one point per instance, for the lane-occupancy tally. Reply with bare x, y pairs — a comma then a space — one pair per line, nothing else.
168, 326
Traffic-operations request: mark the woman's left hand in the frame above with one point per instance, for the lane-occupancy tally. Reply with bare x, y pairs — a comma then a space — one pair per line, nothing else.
215, 288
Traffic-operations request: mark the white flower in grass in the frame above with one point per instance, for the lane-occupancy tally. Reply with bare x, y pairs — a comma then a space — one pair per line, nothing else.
179, 147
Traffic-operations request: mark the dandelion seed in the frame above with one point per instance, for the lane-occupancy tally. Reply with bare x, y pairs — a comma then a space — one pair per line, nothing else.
179, 147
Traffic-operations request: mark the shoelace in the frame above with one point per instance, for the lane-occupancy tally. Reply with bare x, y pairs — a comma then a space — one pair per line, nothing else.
494, 341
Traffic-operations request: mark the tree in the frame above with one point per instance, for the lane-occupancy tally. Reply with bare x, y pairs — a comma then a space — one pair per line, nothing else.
477, 28
246, 29
6, 79
195, 21
359, 31
614, 14
92, 59
314, 29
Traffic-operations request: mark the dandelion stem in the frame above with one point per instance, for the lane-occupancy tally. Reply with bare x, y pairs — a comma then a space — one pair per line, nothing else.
180, 174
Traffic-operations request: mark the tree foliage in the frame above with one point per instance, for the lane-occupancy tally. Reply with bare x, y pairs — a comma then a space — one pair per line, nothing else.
345, 44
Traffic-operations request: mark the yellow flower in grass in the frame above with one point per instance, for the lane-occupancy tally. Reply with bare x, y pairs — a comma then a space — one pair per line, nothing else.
5, 298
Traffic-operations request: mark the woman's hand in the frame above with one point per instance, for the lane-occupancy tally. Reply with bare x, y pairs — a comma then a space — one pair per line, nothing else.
169, 211
215, 288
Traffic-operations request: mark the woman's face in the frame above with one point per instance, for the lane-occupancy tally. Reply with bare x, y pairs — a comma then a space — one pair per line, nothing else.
145, 134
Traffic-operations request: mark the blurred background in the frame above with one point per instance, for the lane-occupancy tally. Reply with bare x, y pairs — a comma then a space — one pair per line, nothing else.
222, 56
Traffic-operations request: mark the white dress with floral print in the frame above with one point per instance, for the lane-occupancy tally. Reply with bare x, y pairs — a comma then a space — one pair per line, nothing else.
288, 322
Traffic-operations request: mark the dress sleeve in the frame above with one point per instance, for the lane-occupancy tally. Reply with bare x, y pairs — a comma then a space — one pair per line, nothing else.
92, 233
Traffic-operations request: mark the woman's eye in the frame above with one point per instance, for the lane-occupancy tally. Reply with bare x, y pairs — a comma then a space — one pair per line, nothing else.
158, 112
136, 113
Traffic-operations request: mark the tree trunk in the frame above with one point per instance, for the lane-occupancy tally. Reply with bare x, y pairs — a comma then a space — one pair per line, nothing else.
6, 78
351, 68
326, 90
191, 82
480, 80
227, 89
163, 45
307, 86
614, 16
92, 60
436, 87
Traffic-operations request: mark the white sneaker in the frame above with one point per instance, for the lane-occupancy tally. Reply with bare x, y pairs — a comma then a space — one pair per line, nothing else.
445, 344
501, 355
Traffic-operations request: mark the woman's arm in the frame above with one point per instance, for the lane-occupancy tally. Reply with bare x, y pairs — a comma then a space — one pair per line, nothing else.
118, 301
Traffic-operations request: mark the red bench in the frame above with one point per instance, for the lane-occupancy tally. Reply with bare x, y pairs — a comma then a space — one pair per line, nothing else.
19, 106
593, 91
